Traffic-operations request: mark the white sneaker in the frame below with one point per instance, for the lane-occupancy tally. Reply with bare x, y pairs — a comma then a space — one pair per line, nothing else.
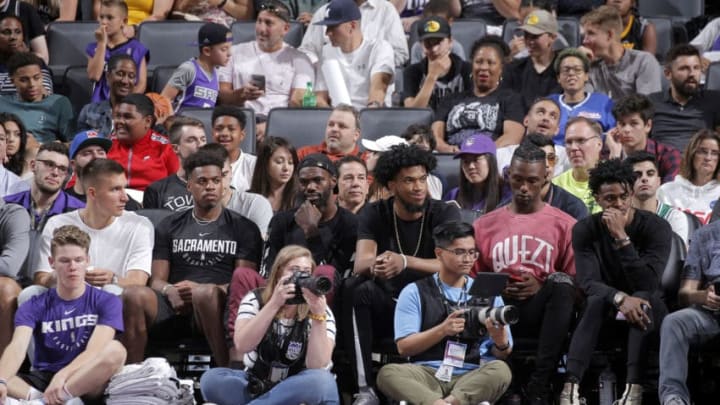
366, 397
631, 396
674, 400
570, 395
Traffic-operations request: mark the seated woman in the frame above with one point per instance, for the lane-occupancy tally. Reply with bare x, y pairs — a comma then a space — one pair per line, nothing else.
481, 187
484, 108
288, 335
12, 40
638, 33
55, 10
695, 189
275, 175
21, 148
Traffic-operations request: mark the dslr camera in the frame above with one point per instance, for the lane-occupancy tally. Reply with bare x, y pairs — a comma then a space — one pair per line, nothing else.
475, 318
319, 285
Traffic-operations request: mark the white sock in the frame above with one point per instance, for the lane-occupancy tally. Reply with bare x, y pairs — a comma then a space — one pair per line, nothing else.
34, 394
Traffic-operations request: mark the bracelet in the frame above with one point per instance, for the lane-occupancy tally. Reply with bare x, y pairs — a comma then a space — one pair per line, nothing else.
222, 4
374, 104
163, 292
3, 382
622, 240
404, 261
114, 279
315, 317
503, 348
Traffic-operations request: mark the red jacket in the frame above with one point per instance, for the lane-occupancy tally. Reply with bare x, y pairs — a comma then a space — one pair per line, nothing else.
149, 159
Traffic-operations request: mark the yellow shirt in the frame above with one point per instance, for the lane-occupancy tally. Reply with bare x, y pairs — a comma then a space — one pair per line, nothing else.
139, 10
579, 189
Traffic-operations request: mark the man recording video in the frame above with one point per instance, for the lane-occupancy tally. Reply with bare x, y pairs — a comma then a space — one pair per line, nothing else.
431, 327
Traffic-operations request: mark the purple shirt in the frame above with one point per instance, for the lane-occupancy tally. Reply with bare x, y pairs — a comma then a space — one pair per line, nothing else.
203, 90
63, 203
62, 329
133, 47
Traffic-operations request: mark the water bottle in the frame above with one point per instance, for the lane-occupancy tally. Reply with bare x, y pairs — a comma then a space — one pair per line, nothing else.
309, 100
606, 387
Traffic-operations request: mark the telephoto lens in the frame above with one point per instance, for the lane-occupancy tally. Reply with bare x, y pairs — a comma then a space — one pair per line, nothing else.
507, 315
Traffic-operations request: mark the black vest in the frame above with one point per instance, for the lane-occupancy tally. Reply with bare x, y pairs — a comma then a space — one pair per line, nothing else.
435, 309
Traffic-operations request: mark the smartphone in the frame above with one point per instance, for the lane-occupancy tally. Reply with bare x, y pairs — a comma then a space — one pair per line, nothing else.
716, 284
258, 81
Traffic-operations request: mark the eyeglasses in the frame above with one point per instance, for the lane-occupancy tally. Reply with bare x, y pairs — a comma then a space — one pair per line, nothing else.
711, 153
579, 141
52, 165
279, 11
571, 70
472, 253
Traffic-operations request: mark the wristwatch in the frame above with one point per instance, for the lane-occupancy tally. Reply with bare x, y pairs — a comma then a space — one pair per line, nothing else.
619, 298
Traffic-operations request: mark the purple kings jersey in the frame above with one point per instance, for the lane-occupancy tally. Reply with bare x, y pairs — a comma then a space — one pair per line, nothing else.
202, 91
62, 329
133, 47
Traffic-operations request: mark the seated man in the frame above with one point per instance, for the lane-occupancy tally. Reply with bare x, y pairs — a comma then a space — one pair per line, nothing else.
620, 254
394, 248
583, 140
341, 135
352, 183
541, 267
697, 323
428, 323
187, 135
14, 243
47, 117
121, 248
363, 63
228, 129
634, 116
73, 327
195, 253
645, 198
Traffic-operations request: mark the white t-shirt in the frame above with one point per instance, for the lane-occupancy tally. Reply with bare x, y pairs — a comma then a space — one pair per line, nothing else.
284, 70
253, 207
358, 66
126, 244
242, 171
250, 307
379, 20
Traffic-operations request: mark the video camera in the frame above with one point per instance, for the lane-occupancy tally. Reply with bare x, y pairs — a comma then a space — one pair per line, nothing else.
319, 285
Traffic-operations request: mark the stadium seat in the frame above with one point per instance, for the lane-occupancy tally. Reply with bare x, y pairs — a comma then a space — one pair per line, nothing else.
673, 271
378, 122
155, 215
205, 115
161, 75
78, 87
450, 168
712, 78
399, 79
169, 42
684, 8
664, 30
467, 31
67, 41
300, 126
244, 31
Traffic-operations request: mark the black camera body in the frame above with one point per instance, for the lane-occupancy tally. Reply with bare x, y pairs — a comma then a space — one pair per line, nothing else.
257, 386
319, 285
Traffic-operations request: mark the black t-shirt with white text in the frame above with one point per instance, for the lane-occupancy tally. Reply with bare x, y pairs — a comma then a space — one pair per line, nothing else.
206, 253
170, 193
457, 80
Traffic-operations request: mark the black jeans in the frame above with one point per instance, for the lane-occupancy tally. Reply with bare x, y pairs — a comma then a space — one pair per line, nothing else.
546, 316
597, 312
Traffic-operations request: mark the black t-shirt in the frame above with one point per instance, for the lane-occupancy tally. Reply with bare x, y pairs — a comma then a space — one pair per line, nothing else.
130, 205
521, 77
467, 113
206, 253
457, 80
335, 244
376, 221
566, 202
33, 26
484, 9
170, 193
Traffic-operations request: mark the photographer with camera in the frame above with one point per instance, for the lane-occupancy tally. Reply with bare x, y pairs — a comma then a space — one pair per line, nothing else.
530, 240
456, 358
287, 333
620, 255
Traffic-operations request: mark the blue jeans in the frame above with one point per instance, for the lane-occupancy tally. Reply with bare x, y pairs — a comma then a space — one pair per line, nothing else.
690, 326
225, 386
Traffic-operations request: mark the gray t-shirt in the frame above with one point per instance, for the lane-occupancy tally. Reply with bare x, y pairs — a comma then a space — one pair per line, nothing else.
14, 240
253, 207
637, 72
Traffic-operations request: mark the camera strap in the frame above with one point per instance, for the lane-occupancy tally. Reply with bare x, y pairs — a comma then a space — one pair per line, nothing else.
461, 303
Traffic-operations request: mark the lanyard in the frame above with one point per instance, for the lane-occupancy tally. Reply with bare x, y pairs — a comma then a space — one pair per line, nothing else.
461, 303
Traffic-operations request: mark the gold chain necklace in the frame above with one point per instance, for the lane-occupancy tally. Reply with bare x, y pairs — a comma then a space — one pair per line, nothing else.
397, 234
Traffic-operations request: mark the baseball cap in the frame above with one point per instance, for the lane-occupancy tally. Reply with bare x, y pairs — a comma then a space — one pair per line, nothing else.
319, 160
539, 22
477, 144
433, 27
212, 34
383, 144
88, 138
340, 11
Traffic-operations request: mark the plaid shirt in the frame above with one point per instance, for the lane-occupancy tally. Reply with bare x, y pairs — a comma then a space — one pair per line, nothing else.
668, 159
96, 116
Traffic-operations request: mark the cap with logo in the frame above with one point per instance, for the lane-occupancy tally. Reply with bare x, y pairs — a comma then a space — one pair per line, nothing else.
88, 138
319, 160
212, 34
477, 144
340, 11
433, 27
539, 22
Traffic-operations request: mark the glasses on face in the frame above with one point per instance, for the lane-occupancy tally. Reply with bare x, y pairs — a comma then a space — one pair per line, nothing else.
52, 165
579, 141
460, 253
571, 70
276, 10
711, 153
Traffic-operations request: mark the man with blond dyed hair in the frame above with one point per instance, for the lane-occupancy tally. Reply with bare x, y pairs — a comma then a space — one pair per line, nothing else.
617, 71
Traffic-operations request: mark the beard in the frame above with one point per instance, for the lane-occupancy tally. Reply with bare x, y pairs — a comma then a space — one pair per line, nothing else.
685, 89
322, 200
413, 208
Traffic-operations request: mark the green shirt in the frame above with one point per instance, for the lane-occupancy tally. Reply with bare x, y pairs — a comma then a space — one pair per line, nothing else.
47, 120
579, 189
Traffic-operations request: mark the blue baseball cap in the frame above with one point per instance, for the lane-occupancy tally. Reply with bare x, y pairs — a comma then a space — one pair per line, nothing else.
340, 11
88, 138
